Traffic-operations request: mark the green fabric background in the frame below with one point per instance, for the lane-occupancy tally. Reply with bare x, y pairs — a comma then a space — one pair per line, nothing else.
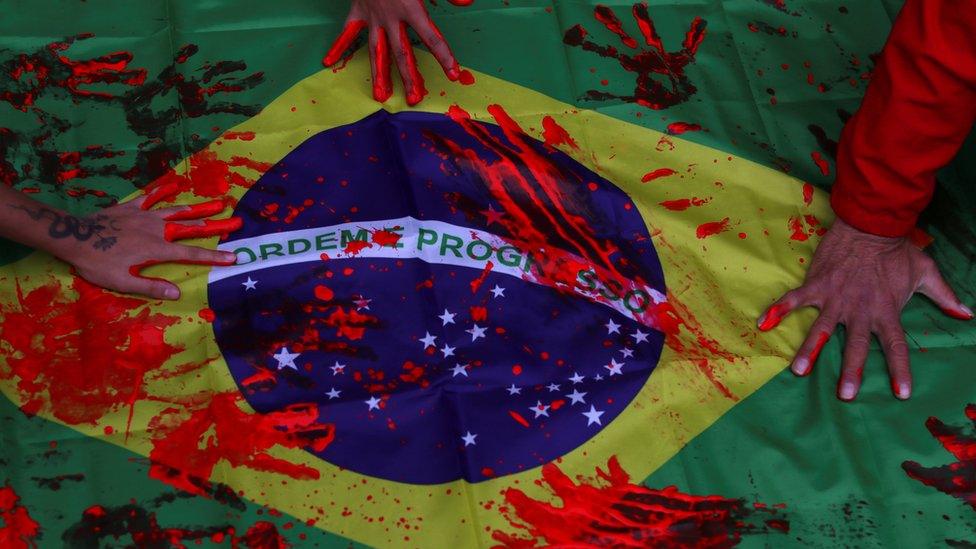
836, 466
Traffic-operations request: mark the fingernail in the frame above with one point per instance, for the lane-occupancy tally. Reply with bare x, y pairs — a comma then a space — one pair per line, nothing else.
762, 318
847, 390
453, 73
230, 258
801, 366
966, 310
172, 293
904, 390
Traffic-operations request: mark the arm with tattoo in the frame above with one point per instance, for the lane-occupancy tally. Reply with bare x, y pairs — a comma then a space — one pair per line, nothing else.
109, 247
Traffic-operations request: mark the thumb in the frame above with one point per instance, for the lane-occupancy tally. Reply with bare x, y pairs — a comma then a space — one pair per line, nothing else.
933, 286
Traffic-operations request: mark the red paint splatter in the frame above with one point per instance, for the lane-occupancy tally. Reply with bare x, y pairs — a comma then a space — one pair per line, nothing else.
821, 163
353, 247
712, 228
802, 227
476, 283
51, 339
613, 512
683, 204
17, 529
324, 293
207, 314
243, 136
678, 128
479, 314
188, 443
807, 194
466, 78
661, 81
518, 417
956, 479
657, 174
208, 176
554, 134
386, 237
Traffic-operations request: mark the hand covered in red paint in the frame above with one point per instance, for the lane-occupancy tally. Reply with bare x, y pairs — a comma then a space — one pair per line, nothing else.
388, 21
863, 281
129, 237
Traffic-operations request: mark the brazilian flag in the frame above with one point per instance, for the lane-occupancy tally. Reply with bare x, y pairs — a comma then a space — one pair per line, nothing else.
518, 314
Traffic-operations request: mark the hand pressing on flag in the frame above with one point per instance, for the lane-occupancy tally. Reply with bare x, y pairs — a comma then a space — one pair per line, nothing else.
110, 247
863, 281
388, 22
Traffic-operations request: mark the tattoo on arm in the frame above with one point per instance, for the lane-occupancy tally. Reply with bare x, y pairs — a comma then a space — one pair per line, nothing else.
81, 229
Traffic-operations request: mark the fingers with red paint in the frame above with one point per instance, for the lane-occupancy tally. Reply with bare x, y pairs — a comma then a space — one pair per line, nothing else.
389, 22
779, 310
204, 229
934, 287
194, 211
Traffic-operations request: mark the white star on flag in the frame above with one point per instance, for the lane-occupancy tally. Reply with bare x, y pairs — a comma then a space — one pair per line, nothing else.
333, 393
540, 409
448, 350
338, 369
447, 318
513, 390
428, 340
593, 416
460, 369
552, 387
612, 327
498, 291
374, 403
476, 332
614, 367
598, 377
249, 284
639, 336
628, 353
362, 303
577, 378
468, 438
286, 359
576, 396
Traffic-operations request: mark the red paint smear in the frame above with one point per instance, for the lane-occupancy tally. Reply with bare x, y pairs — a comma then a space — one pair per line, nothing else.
386, 238
683, 204
815, 353
17, 529
807, 194
797, 230
199, 211
614, 512
243, 136
554, 134
209, 228
678, 128
518, 417
476, 283
349, 324
187, 446
609, 19
353, 247
773, 317
417, 89
207, 314
466, 78
207, 176
712, 228
324, 293
54, 340
479, 314
956, 479
821, 163
657, 174
342, 43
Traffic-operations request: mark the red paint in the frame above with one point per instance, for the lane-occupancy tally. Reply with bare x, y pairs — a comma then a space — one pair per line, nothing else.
209, 228
807, 194
243, 136
54, 335
518, 417
207, 176
479, 314
815, 353
657, 174
660, 79
678, 128
353, 247
207, 314
17, 529
342, 43
956, 479
773, 317
417, 90
611, 511
683, 204
476, 283
821, 163
324, 293
386, 238
957, 314
466, 78
188, 443
382, 85
797, 230
198, 211
712, 228
554, 134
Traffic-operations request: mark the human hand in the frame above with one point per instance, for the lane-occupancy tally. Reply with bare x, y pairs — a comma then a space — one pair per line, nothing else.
110, 247
388, 21
863, 281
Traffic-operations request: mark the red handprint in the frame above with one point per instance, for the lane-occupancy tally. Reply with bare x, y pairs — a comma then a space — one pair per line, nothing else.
955, 479
661, 79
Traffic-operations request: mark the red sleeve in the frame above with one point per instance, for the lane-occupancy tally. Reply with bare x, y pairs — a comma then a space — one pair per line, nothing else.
919, 107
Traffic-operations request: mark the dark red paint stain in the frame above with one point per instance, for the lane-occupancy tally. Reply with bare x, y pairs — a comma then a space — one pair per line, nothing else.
54, 338
956, 479
657, 174
554, 134
683, 204
821, 163
678, 128
243, 136
17, 529
189, 441
661, 79
614, 512
712, 228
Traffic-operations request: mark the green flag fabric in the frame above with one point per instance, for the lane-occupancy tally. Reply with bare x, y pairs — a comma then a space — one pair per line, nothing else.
132, 423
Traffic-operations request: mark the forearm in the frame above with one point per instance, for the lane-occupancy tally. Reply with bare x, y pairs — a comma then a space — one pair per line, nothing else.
32, 223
